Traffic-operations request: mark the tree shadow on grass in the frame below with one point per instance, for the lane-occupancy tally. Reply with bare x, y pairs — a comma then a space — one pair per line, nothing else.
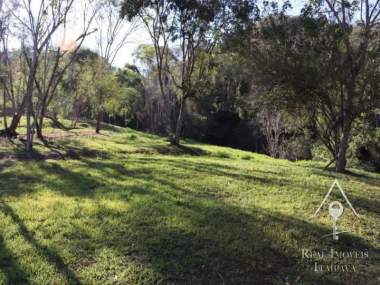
210, 168
76, 150
86, 184
368, 204
9, 267
51, 255
221, 244
363, 178
185, 236
21, 154
71, 183
65, 149
16, 184
348, 174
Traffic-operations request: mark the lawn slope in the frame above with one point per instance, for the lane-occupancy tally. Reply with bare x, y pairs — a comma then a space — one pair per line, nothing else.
125, 207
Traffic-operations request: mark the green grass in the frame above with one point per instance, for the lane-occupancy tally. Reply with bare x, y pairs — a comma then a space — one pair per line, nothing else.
135, 210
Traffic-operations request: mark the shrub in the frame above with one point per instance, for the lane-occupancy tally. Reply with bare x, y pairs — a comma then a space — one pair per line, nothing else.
365, 148
222, 154
246, 157
319, 152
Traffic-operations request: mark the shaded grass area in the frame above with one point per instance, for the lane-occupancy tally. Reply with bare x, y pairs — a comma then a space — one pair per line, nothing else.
131, 209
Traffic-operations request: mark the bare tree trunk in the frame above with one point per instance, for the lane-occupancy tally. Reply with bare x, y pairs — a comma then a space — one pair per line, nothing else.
29, 100
341, 160
16, 118
4, 111
179, 125
40, 121
98, 119
39, 128
39, 118
29, 144
29, 105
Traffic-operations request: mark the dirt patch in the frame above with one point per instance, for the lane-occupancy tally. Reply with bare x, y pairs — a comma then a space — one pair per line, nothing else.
66, 134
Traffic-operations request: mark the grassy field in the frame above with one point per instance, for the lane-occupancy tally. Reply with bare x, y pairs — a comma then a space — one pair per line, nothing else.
125, 207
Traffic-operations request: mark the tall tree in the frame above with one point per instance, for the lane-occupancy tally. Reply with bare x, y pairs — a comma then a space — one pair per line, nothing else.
40, 23
155, 15
195, 27
54, 62
4, 59
161, 116
327, 66
112, 30
358, 22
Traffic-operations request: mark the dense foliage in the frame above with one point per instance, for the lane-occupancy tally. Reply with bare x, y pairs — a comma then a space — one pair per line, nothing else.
240, 73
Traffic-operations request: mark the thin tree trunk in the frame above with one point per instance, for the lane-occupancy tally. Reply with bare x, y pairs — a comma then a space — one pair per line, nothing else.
16, 118
29, 144
41, 123
41, 117
4, 111
98, 119
39, 128
341, 159
29, 92
179, 125
29, 102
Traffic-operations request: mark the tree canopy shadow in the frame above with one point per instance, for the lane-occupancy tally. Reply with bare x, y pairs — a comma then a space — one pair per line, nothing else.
9, 266
184, 235
348, 174
51, 255
223, 244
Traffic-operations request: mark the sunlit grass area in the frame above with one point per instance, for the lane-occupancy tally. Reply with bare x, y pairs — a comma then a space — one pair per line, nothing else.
125, 207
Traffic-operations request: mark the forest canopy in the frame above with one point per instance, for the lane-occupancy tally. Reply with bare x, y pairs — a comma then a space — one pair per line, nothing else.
247, 74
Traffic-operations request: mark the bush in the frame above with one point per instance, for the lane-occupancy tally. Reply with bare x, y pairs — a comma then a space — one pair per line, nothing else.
246, 157
222, 154
195, 126
298, 148
366, 148
319, 152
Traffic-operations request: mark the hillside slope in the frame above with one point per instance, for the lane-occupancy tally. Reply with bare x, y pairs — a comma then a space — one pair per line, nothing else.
125, 207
